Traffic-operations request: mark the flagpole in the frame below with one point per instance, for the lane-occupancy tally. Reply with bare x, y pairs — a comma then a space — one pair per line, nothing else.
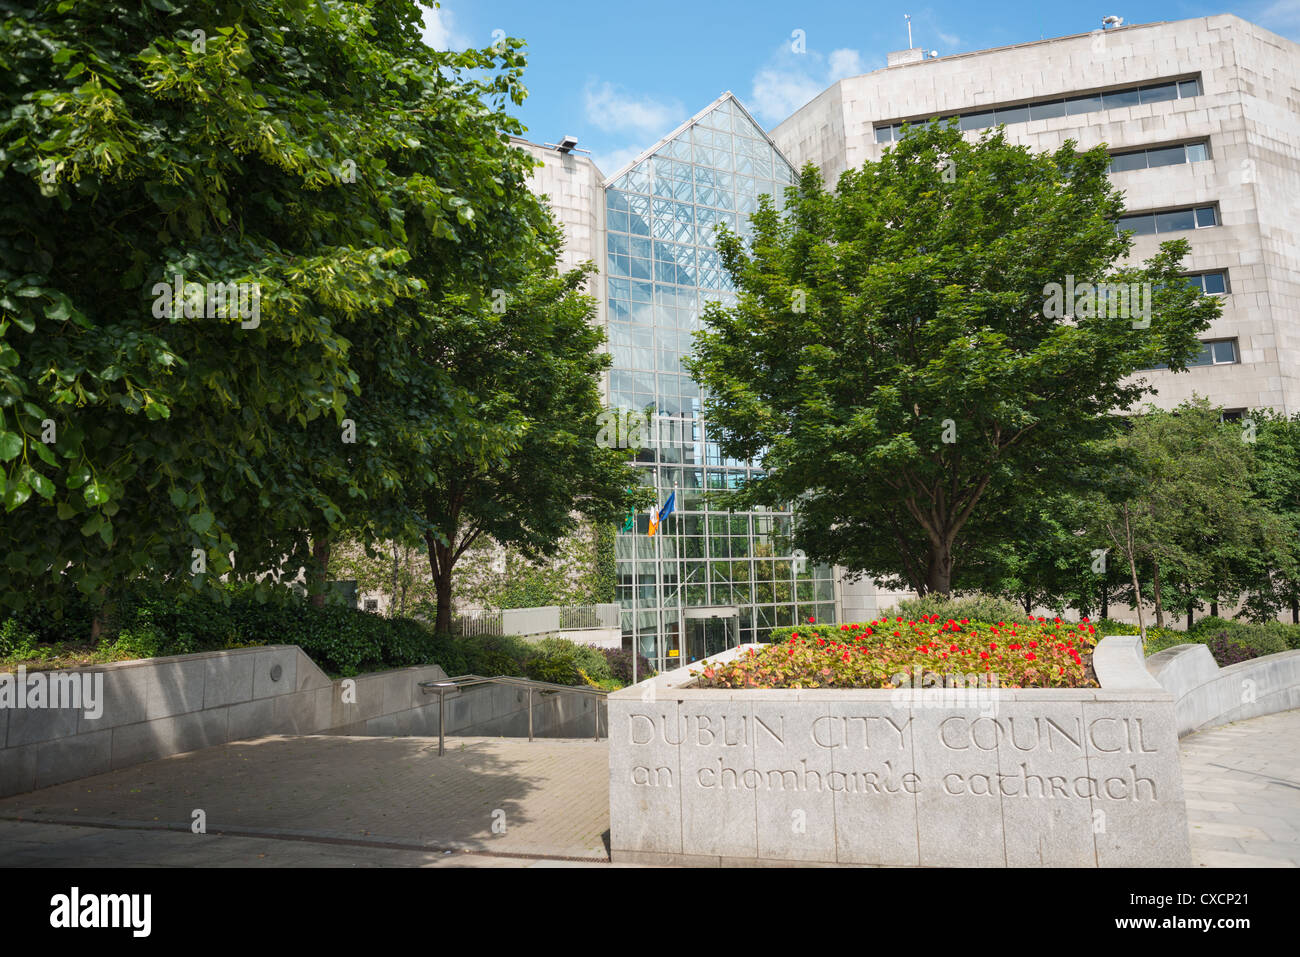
681, 568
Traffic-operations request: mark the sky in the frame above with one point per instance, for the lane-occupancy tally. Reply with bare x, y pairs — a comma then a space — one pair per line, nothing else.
619, 76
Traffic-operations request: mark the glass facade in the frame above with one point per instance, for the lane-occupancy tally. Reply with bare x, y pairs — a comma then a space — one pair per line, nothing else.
707, 572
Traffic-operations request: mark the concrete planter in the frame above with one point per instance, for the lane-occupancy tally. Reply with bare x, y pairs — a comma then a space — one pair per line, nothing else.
939, 777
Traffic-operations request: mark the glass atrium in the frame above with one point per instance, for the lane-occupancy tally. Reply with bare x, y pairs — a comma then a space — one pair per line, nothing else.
708, 578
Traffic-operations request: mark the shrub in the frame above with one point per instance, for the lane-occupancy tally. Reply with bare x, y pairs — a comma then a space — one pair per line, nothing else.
1226, 651
561, 661
1264, 638
620, 665
16, 638
1109, 626
975, 607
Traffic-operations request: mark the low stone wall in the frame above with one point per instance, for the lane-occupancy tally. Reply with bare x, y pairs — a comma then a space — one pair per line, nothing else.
945, 777
156, 707
1206, 695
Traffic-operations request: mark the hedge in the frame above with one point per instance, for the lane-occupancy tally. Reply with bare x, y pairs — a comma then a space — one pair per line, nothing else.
145, 622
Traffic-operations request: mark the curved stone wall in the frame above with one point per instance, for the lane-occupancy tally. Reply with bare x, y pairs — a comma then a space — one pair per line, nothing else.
1206, 695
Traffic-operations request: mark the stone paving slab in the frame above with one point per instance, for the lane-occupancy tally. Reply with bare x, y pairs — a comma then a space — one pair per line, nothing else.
499, 796
1242, 784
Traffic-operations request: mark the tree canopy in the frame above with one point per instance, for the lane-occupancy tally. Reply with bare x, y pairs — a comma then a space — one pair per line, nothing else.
314, 157
895, 359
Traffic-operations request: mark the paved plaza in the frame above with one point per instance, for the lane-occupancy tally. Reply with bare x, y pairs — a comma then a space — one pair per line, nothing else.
332, 801
326, 799
1242, 783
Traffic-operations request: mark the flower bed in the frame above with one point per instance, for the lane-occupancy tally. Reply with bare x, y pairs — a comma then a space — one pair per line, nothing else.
1037, 653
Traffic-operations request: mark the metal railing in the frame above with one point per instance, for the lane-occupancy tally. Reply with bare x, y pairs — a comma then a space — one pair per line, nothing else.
536, 621
441, 687
580, 617
477, 623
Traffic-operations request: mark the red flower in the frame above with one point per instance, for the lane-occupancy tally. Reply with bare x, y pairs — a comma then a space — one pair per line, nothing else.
984, 654
1033, 644
812, 621
1030, 655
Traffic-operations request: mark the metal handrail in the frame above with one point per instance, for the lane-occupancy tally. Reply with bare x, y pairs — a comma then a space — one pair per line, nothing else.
441, 687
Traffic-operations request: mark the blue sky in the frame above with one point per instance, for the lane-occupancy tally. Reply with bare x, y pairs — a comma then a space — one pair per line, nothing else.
618, 76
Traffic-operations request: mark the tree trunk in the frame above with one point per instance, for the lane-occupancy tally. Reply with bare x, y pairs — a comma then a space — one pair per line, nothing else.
1027, 602
1155, 591
938, 576
1191, 607
1133, 574
441, 562
320, 552
1295, 610
392, 601
1214, 606
1105, 598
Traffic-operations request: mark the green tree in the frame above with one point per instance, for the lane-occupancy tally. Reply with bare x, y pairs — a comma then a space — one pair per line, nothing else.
1180, 507
1272, 572
317, 154
896, 358
525, 469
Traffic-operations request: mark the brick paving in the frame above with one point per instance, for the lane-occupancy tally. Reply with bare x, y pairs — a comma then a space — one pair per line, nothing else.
1242, 785
498, 796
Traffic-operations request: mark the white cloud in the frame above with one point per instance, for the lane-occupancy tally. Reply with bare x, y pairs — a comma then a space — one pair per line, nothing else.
1281, 16
440, 30
778, 93
788, 80
845, 63
611, 109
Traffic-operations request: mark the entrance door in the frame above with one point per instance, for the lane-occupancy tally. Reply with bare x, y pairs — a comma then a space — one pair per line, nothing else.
709, 636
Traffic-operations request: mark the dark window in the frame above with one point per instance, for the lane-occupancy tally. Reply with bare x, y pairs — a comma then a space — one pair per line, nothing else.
1091, 103
1225, 352
1128, 161
1142, 224
977, 121
1189, 87
1205, 217
1013, 114
1167, 156
1175, 220
1159, 92
1117, 99
884, 134
1214, 283
1047, 110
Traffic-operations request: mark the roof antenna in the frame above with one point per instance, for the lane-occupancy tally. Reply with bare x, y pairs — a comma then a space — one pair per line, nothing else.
908, 18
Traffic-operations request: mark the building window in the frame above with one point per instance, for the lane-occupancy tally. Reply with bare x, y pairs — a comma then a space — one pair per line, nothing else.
1231, 415
1217, 352
1152, 157
1052, 107
372, 604
1169, 221
1210, 283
